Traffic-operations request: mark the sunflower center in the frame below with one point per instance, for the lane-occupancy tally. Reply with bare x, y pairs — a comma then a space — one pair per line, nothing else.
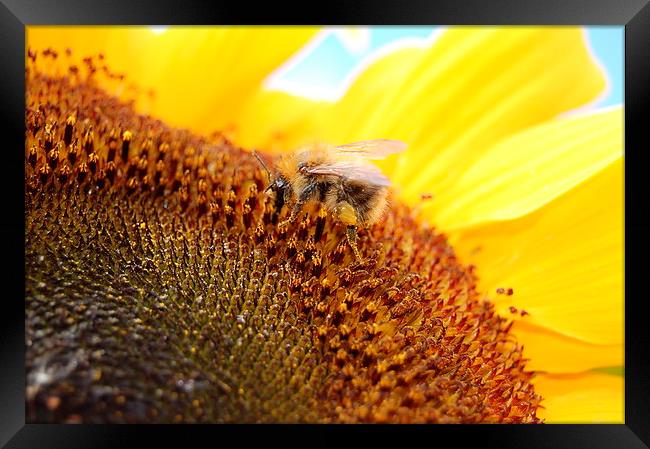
160, 289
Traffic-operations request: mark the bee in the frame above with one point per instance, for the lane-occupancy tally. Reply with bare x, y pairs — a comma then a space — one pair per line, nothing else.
340, 177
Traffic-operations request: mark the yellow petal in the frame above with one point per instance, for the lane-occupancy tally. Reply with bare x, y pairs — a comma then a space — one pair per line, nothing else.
563, 261
588, 397
121, 49
526, 171
480, 86
200, 75
363, 113
552, 352
454, 99
323, 121
270, 119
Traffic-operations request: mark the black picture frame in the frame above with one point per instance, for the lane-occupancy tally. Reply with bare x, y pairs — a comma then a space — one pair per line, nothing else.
634, 15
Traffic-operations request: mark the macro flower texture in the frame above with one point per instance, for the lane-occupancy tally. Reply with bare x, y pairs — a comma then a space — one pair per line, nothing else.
159, 287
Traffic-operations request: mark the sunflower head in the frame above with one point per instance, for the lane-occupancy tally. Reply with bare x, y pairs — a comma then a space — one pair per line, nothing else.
160, 289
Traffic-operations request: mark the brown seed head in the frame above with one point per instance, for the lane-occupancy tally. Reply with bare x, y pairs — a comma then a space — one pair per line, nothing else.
163, 270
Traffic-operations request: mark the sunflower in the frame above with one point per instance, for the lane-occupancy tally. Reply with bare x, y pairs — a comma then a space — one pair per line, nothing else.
521, 236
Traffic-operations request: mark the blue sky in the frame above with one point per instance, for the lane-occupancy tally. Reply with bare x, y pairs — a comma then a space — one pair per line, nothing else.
321, 69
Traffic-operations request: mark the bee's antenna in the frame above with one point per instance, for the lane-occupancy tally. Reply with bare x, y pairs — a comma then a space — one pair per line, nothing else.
268, 172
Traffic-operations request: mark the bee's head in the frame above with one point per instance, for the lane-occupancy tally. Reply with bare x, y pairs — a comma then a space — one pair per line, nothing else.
281, 191
279, 186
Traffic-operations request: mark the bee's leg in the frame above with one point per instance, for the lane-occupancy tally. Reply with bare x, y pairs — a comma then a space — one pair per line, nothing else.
347, 215
303, 198
294, 214
279, 202
352, 240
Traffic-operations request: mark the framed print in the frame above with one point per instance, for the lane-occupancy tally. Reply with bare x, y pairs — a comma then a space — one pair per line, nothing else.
376, 216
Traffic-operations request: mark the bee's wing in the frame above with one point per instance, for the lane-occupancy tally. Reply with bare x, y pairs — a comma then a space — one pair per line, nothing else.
371, 149
352, 170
